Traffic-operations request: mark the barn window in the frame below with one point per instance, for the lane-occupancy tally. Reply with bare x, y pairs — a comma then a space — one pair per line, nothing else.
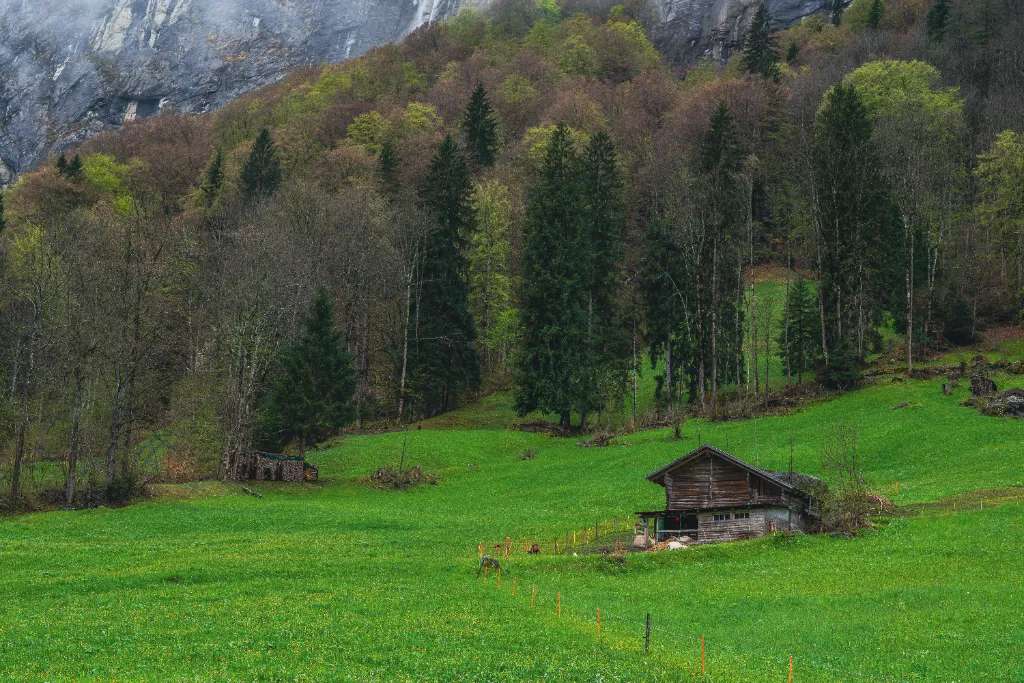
722, 517
742, 515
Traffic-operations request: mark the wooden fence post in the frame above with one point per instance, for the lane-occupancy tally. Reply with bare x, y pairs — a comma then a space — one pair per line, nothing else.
480, 550
558, 604
533, 597
789, 679
647, 633
514, 584
703, 668
599, 622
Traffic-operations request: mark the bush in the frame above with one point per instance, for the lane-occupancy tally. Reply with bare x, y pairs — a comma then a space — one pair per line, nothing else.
959, 324
847, 503
843, 371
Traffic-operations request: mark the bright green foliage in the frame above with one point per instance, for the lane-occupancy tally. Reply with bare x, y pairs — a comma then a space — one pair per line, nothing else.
578, 57
310, 393
800, 338
626, 52
893, 88
554, 287
214, 179
861, 233
420, 117
443, 360
369, 130
261, 174
480, 129
1000, 174
490, 272
760, 52
875, 14
938, 21
537, 141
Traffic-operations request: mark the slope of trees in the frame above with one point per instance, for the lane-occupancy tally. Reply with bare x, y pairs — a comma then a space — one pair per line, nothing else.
527, 197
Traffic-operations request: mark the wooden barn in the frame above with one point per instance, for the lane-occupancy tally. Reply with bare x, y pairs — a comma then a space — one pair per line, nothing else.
712, 496
260, 466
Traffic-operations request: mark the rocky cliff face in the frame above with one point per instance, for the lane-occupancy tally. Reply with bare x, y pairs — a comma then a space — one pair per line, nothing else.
72, 68
688, 30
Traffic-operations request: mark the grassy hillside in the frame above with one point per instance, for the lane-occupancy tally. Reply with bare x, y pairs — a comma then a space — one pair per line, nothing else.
341, 581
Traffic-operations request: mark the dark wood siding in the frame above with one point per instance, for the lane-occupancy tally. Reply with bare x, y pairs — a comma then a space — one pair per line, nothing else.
710, 482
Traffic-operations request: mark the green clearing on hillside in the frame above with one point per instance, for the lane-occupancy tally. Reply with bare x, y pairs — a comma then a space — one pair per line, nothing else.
338, 581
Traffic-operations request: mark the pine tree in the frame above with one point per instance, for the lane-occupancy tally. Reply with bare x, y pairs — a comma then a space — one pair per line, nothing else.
62, 165
3, 220
800, 339
861, 236
760, 53
875, 14
75, 171
601, 247
443, 360
310, 394
837, 12
938, 21
213, 180
387, 167
261, 174
480, 129
792, 52
553, 298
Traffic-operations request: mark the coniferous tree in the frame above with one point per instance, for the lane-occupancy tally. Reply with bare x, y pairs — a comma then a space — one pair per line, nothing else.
760, 53
938, 21
214, 179
261, 174
480, 128
554, 288
800, 339
860, 235
75, 171
310, 393
837, 12
792, 52
387, 167
601, 248
875, 14
62, 165
443, 360
3, 221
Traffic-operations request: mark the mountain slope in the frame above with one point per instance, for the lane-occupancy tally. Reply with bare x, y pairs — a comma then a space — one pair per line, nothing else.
73, 68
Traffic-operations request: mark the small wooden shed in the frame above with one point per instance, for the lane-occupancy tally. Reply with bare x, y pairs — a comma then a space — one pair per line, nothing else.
713, 496
261, 466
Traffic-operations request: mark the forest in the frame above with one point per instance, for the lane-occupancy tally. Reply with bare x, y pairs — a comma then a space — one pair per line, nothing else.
529, 199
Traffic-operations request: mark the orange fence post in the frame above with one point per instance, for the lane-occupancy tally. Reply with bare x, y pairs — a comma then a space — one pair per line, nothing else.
514, 584
790, 678
598, 622
558, 604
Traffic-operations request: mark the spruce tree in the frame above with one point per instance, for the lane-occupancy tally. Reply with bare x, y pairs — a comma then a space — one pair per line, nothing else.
861, 238
443, 361
261, 174
214, 179
387, 167
62, 165
875, 14
938, 21
601, 249
760, 53
800, 338
309, 397
480, 129
553, 298
837, 12
792, 52
75, 170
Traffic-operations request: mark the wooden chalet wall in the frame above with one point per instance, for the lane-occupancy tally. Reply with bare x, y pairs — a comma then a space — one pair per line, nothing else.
710, 482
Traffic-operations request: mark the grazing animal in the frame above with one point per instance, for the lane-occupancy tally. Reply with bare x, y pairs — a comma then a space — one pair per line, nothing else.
534, 549
488, 562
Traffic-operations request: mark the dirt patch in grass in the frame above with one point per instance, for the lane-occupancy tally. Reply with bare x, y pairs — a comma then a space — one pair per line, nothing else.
970, 500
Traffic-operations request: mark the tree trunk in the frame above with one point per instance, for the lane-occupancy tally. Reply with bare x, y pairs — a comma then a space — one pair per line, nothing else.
910, 296
75, 440
19, 458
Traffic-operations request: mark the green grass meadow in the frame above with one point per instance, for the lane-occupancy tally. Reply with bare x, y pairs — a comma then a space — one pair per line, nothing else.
341, 581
